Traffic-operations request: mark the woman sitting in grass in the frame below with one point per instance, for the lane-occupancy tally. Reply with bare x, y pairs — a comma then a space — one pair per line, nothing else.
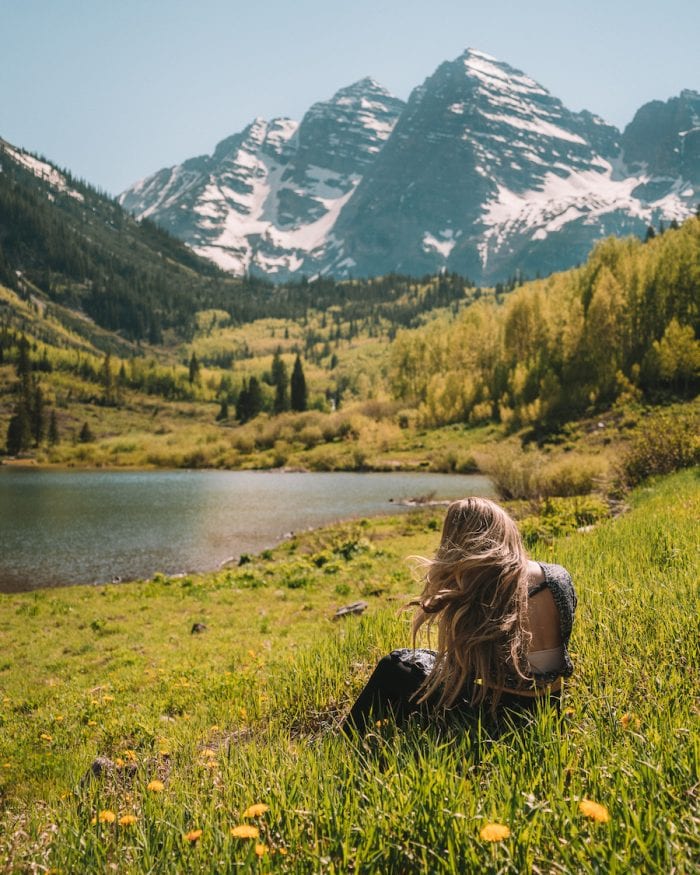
503, 626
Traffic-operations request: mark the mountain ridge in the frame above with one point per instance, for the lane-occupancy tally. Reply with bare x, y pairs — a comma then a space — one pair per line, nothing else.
482, 171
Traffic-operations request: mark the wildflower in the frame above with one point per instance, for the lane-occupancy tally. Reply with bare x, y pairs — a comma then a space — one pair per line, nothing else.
208, 752
164, 752
155, 786
245, 831
193, 835
7, 765
569, 712
210, 764
282, 851
629, 721
494, 832
127, 820
260, 849
58, 718
107, 698
214, 728
594, 810
92, 723
106, 816
256, 810
130, 755
46, 737
119, 763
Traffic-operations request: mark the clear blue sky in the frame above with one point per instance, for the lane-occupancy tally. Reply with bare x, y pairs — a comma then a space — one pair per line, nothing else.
116, 89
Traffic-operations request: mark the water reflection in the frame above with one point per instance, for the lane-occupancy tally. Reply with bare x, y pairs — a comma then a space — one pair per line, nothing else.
63, 527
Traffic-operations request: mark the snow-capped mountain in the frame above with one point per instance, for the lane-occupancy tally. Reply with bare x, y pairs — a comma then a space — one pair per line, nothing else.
483, 172
267, 199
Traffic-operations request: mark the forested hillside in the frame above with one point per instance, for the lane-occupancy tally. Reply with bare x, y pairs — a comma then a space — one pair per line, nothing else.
381, 360
625, 324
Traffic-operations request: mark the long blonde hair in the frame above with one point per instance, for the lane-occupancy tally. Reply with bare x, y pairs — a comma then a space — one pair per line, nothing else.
475, 592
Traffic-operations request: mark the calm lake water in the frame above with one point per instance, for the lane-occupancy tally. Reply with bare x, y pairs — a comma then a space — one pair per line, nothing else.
66, 527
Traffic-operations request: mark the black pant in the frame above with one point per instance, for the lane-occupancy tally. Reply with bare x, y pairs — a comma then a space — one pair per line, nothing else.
393, 689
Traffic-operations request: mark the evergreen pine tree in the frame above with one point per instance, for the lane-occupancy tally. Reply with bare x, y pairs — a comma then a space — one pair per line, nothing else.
223, 411
53, 435
19, 430
281, 383
107, 380
299, 395
194, 369
243, 404
86, 435
38, 419
255, 397
23, 362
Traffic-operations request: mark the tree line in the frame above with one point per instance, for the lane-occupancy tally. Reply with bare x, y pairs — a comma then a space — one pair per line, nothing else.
624, 324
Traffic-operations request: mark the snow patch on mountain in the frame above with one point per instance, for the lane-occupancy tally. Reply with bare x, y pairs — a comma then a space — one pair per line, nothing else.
46, 172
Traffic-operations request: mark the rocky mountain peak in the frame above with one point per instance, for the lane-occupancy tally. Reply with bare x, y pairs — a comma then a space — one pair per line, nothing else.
483, 171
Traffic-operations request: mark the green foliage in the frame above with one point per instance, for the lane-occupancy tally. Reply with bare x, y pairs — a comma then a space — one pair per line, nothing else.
566, 345
298, 400
556, 517
247, 712
86, 435
530, 473
663, 443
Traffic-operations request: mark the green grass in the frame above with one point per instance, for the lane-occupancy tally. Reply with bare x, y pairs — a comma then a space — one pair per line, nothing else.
240, 714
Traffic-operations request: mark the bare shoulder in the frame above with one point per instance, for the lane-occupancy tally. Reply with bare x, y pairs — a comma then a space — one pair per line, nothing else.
534, 572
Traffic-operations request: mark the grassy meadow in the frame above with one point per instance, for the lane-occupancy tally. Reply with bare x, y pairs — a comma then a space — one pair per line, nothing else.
198, 728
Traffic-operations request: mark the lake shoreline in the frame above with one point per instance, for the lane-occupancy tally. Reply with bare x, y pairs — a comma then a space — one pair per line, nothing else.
93, 527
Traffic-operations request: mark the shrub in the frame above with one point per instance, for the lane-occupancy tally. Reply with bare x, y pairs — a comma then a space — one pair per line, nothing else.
529, 473
310, 436
663, 443
561, 516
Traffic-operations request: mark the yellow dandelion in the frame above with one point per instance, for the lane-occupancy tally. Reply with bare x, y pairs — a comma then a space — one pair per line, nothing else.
119, 763
164, 752
210, 764
494, 832
260, 849
46, 737
256, 810
155, 786
106, 816
58, 718
214, 728
7, 765
107, 698
130, 755
569, 712
629, 721
594, 810
92, 723
127, 820
94, 702
208, 752
282, 851
193, 835
245, 831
